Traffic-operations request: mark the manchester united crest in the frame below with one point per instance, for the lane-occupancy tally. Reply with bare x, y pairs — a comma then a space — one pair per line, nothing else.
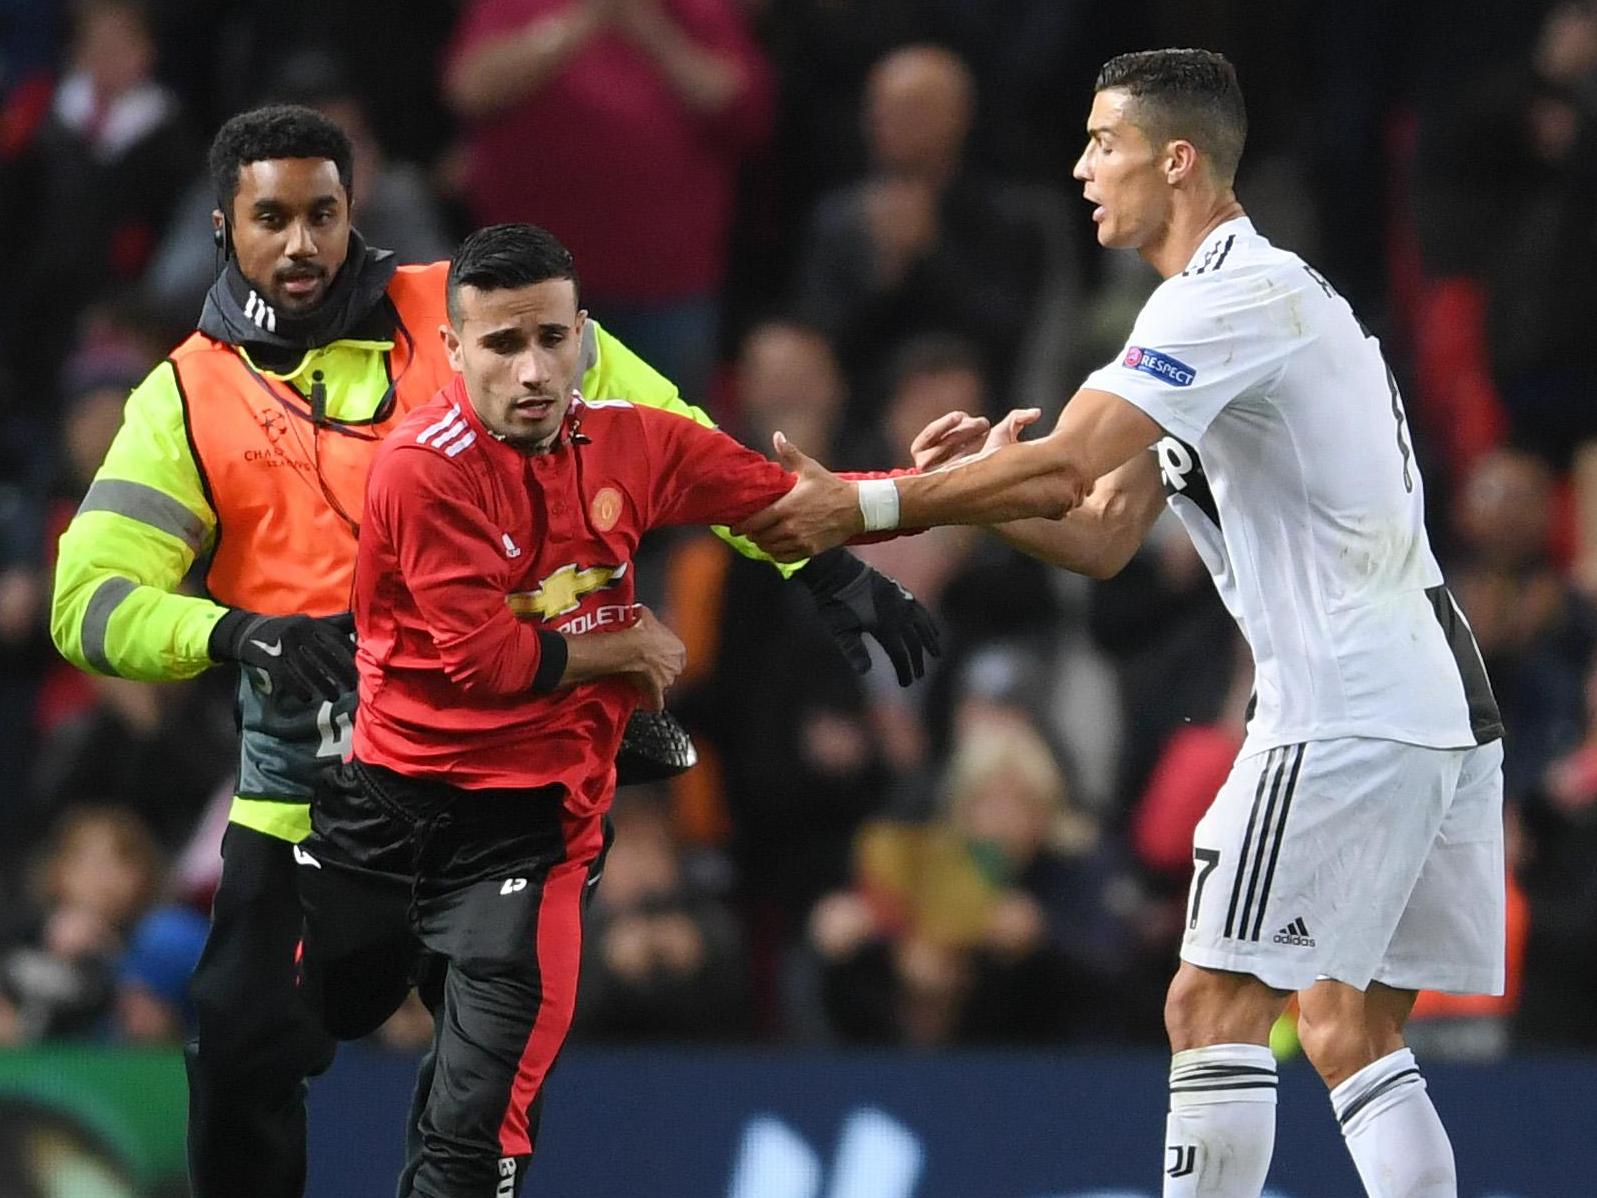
606, 508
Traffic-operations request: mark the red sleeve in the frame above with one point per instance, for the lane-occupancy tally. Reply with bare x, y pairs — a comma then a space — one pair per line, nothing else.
448, 554
861, 475
702, 476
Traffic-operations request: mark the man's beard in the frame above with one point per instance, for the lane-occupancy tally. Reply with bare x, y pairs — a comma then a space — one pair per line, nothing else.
286, 301
528, 442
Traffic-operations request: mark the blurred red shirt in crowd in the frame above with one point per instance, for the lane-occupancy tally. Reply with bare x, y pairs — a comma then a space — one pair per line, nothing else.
627, 148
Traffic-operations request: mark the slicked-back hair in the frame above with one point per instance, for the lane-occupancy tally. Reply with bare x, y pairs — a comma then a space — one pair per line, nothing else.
1190, 95
276, 131
503, 256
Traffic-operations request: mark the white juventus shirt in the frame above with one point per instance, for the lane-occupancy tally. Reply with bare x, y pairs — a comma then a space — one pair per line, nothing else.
1288, 459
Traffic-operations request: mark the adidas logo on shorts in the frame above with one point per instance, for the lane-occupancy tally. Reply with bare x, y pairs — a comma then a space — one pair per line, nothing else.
1297, 933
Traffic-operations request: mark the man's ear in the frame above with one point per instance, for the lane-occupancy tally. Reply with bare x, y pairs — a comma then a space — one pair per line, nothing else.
452, 347
1181, 160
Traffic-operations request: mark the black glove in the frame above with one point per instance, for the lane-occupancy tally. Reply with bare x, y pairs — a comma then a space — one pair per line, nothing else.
852, 599
298, 655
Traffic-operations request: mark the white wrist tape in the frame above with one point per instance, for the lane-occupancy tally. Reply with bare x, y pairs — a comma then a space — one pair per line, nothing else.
878, 503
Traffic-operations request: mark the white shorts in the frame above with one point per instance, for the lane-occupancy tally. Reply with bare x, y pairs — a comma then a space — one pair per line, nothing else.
1356, 860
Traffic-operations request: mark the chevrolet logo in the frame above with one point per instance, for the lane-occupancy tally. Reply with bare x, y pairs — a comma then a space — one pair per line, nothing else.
563, 591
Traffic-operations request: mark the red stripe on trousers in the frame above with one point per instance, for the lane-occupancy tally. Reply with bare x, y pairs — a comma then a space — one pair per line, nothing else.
559, 957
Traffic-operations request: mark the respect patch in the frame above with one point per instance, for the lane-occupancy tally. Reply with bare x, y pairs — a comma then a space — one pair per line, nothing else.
1162, 366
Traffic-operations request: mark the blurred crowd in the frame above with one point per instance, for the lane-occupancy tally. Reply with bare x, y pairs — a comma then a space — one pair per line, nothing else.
838, 218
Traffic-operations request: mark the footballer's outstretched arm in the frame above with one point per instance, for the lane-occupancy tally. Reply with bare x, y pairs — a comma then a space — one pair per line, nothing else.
1097, 433
1096, 539
1101, 535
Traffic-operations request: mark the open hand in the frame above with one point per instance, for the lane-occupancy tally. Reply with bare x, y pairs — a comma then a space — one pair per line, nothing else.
820, 512
947, 439
1007, 430
959, 437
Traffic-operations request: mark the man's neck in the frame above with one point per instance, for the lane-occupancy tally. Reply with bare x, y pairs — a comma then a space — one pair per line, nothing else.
1191, 221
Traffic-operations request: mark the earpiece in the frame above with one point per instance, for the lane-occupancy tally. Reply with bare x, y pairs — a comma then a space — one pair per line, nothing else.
218, 237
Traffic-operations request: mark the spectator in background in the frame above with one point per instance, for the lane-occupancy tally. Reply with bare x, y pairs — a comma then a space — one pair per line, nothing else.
95, 189
43, 688
820, 53
1558, 870
1031, 60
1094, 913
115, 331
218, 56
790, 760
1005, 919
640, 112
154, 750
981, 591
1506, 194
662, 959
31, 35
393, 206
1159, 621
1533, 628
931, 374
24, 639
1192, 765
787, 379
921, 245
97, 874
152, 991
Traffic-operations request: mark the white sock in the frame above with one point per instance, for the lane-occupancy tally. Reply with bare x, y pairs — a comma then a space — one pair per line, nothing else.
1393, 1133
1221, 1130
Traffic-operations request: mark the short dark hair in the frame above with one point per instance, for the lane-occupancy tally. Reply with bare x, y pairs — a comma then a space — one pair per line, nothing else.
501, 256
276, 131
1188, 94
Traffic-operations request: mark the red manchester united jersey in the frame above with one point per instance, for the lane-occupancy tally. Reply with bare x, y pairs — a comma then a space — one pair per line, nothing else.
469, 547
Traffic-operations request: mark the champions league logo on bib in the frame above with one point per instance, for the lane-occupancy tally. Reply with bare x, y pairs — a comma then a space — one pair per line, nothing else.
1163, 367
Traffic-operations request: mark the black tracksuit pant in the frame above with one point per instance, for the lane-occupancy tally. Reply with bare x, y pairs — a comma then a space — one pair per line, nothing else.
491, 881
255, 1041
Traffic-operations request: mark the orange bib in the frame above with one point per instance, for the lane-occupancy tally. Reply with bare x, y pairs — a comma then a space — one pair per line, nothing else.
288, 490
